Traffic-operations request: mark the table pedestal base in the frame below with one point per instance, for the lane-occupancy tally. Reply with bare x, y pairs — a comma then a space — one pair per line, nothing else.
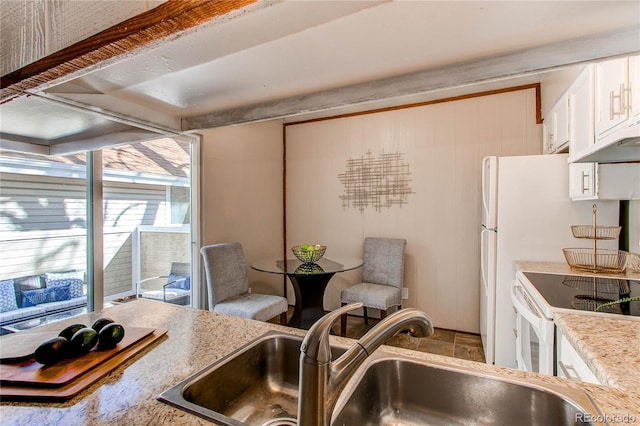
309, 291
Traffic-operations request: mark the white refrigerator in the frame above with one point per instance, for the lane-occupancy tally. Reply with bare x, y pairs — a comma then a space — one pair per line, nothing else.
526, 215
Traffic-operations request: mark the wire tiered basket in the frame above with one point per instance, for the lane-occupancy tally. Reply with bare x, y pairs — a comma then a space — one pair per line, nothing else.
596, 259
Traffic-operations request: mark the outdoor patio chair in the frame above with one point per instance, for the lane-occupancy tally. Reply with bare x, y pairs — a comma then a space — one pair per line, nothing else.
176, 290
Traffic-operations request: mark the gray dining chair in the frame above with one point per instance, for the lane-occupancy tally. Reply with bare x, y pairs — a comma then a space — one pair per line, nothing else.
228, 286
382, 278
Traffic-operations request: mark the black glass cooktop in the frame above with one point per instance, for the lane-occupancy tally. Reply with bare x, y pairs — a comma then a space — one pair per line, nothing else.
587, 293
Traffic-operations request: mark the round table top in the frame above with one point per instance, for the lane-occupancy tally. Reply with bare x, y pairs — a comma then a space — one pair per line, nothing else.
327, 265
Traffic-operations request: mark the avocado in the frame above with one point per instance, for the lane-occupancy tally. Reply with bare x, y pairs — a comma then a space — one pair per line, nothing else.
83, 341
52, 351
101, 322
69, 331
110, 336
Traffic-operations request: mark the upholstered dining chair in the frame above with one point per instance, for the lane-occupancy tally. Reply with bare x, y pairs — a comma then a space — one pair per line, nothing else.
382, 278
228, 286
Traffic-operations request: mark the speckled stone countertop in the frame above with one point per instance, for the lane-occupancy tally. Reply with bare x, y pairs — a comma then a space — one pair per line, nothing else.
609, 346
127, 396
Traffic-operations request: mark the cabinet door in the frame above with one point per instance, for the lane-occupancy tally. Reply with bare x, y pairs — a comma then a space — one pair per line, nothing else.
555, 127
570, 364
561, 123
611, 86
581, 111
634, 85
582, 181
547, 134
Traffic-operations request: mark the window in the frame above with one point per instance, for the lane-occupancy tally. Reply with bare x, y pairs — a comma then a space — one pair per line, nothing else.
43, 207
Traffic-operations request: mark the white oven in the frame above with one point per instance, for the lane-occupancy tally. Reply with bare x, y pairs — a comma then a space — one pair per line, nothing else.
537, 296
535, 333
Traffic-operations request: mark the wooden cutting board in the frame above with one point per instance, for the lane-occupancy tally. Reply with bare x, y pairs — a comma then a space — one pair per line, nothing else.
19, 347
63, 393
32, 373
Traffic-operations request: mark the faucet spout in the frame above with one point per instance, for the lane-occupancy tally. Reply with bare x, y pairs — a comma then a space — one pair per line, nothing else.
322, 380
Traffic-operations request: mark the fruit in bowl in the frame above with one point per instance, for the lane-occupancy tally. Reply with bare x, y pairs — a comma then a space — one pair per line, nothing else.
309, 253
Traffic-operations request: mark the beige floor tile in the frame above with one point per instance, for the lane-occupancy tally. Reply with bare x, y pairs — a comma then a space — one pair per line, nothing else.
436, 347
471, 353
444, 335
468, 340
443, 342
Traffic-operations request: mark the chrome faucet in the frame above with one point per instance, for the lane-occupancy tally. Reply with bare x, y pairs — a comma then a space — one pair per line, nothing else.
322, 380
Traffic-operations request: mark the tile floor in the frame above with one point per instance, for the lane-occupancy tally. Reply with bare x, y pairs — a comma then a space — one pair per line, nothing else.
451, 343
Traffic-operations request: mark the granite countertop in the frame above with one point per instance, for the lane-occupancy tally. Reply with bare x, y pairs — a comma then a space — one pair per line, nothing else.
197, 338
608, 345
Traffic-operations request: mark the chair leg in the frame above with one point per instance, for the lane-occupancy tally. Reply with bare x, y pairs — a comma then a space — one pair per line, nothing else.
283, 318
366, 320
343, 324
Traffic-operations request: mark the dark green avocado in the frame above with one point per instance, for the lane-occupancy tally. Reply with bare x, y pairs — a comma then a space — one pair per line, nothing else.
69, 331
110, 336
52, 351
101, 322
83, 341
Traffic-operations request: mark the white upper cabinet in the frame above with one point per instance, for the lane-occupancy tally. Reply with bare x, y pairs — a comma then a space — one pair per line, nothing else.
580, 99
617, 95
590, 181
555, 127
617, 113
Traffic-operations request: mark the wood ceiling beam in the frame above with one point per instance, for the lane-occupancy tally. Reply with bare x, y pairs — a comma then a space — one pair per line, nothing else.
167, 21
517, 64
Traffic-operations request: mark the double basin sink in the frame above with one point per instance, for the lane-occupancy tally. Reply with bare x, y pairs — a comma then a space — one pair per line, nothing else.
258, 385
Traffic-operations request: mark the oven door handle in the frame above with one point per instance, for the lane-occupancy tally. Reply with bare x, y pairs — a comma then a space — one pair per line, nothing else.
530, 313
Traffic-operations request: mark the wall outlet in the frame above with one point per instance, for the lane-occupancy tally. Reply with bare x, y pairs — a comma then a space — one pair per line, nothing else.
405, 293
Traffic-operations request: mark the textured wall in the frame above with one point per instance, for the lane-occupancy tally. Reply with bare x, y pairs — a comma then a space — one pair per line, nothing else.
443, 145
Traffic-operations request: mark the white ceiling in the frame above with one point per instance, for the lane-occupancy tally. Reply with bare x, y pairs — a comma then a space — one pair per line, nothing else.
301, 59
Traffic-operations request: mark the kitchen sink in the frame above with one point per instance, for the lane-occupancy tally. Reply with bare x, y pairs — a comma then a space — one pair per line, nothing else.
394, 390
255, 385
258, 385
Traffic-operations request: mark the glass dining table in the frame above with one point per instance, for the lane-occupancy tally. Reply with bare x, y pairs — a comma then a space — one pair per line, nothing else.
309, 281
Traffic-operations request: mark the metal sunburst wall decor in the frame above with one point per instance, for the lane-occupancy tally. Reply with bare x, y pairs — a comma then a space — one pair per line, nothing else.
376, 182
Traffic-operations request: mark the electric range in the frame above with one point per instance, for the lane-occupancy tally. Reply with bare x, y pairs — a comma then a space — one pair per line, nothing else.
578, 294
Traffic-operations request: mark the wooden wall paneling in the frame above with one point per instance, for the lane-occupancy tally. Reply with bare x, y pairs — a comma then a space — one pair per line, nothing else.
444, 144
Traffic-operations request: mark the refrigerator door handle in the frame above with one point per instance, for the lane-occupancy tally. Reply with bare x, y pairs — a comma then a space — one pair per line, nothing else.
485, 162
483, 258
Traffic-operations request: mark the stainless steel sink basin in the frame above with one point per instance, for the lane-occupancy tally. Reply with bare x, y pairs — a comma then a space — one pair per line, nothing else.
258, 385
255, 385
394, 390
